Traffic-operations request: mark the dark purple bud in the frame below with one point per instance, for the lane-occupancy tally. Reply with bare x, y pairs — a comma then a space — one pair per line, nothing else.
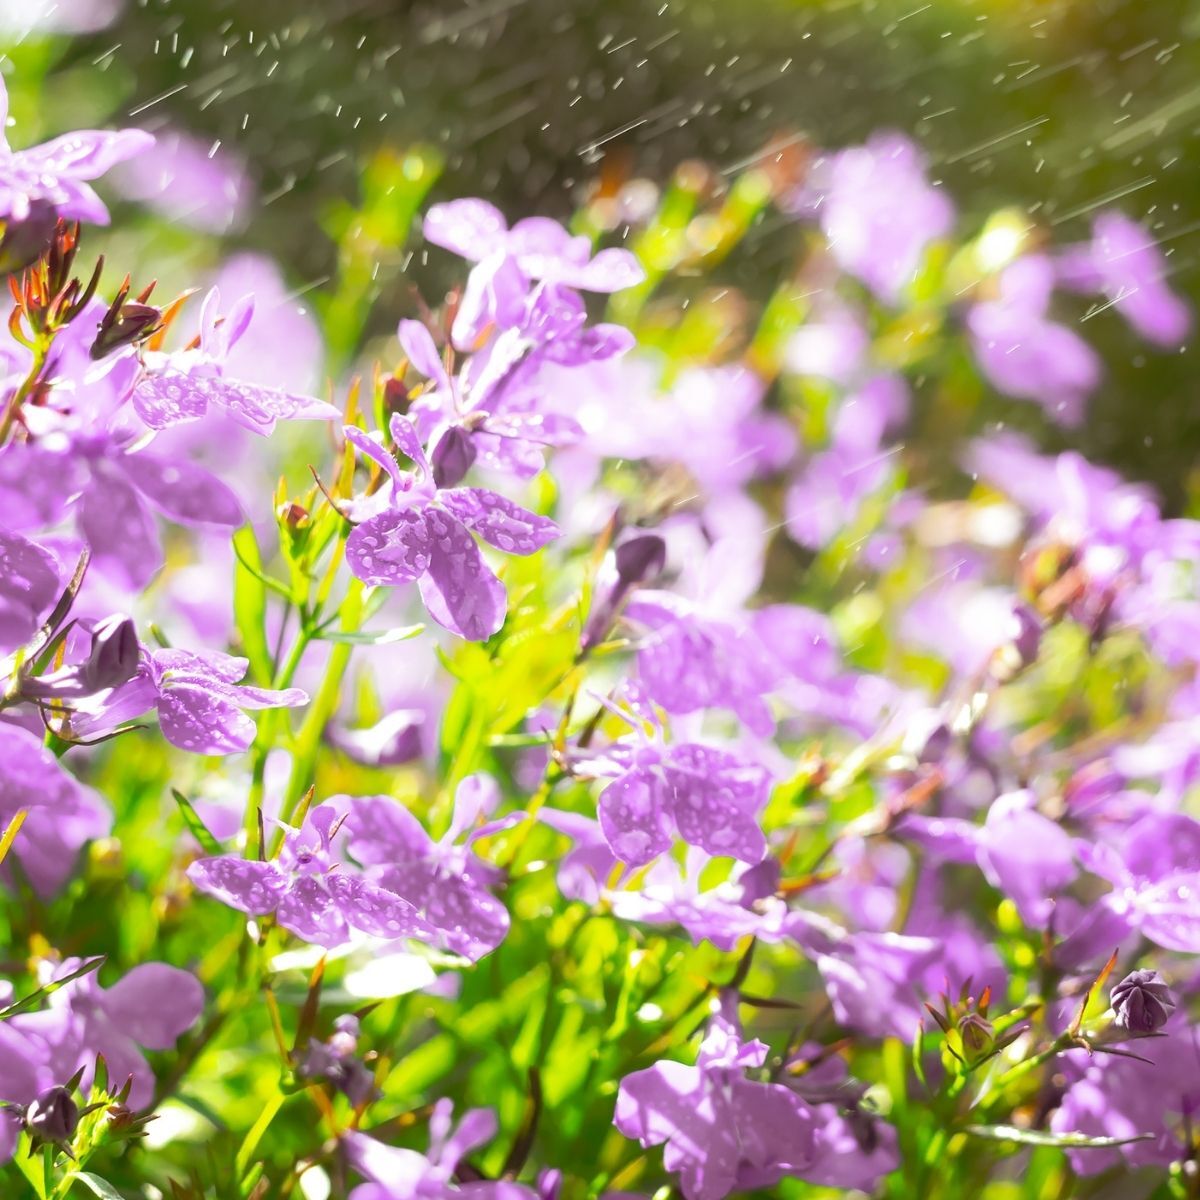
124, 325
1142, 1002
1025, 642
115, 654
452, 457
53, 1116
636, 560
865, 1128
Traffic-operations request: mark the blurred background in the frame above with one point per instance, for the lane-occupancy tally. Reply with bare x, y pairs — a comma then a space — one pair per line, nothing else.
312, 131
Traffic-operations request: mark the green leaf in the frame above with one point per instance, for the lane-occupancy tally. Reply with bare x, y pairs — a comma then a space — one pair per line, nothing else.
367, 637
250, 605
1039, 1137
100, 1187
196, 827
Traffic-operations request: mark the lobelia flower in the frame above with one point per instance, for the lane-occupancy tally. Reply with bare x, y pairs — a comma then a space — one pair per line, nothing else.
29, 587
484, 413
1124, 263
179, 387
310, 892
722, 1132
635, 559
416, 530
197, 696
878, 211
1141, 1002
709, 796
397, 1173
1026, 355
1115, 1096
335, 1061
150, 1006
446, 883
542, 249
59, 171
874, 981
113, 658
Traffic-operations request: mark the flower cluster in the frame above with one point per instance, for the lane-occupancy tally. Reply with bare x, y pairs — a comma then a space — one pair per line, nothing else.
757, 806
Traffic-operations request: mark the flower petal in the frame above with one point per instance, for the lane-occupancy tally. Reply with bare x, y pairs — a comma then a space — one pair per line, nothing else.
459, 589
392, 548
499, 521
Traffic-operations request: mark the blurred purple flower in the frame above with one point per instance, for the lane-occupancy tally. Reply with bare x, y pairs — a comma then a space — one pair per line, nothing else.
878, 211
1124, 263
150, 1006
1026, 355
29, 586
58, 172
541, 248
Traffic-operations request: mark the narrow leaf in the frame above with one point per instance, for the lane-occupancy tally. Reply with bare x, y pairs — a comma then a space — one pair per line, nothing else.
1041, 1137
196, 827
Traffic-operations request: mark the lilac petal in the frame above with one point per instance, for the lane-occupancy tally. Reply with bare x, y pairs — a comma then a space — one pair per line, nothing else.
418, 345
499, 521
249, 886
29, 774
609, 271
472, 229
546, 429
197, 718
254, 697
543, 246
392, 548
226, 667
28, 587
633, 817
408, 442
182, 491
366, 445
311, 913
383, 831
258, 408
167, 399
1168, 913
459, 589
477, 796
375, 910
494, 296
120, 531
154, 1003
713, 799
85, 153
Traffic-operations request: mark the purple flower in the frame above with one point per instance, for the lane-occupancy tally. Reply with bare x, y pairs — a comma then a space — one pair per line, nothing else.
150, 1006
57, 172
308, 889
30, 776
113, 657
180, 387
401, 1174
1142, 1002
198, 701
1023, 353
709, 797
492, 411
29, 586
447, 884
1124, 263
690, 660
541, 248
1026, 855
189, 181
722, 1131
878, 211
419, 531
1115, 1096
637, 558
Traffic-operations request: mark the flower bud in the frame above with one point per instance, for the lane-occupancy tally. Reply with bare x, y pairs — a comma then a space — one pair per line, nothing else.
1142, 1002
452, 457
115, 653
634, 561
123, 325
53, 1116
976, 1032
